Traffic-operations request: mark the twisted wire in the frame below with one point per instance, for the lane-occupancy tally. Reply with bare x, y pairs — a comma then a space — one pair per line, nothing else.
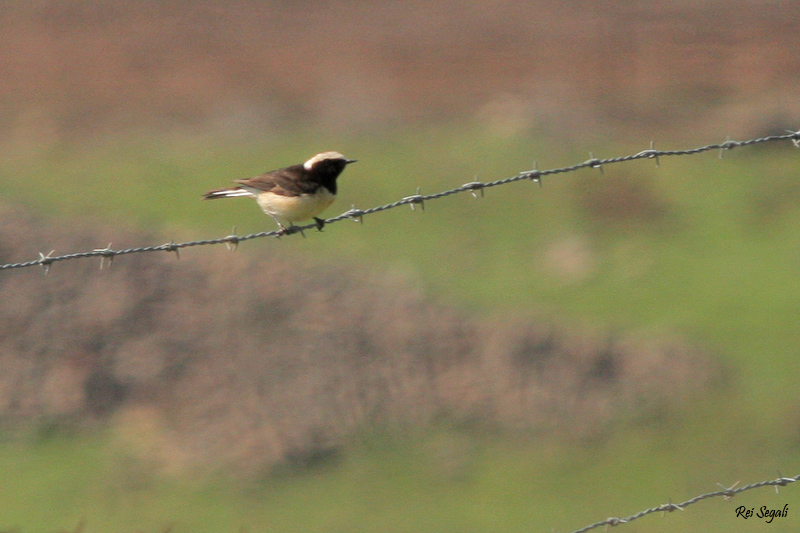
726, 493
47, 260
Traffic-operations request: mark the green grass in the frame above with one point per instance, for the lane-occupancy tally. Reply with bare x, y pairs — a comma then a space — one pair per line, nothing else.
397, 484
720, 267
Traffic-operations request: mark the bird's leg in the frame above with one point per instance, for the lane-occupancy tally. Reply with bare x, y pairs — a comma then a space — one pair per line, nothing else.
282, 229
291, 229
320, 223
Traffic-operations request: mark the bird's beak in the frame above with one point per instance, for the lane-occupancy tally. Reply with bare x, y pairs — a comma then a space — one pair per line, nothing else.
348, 161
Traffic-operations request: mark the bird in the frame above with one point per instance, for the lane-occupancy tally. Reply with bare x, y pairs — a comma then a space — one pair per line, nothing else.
293, 193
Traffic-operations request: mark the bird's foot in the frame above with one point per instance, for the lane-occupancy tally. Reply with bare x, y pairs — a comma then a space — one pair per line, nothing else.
294, 229
282, 230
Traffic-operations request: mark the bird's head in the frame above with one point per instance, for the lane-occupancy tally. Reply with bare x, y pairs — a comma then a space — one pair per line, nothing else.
328, 163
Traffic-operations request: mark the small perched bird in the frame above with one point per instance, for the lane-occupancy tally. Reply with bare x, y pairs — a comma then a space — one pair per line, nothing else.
298, 192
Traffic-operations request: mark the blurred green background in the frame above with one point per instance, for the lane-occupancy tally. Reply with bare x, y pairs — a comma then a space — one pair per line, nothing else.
119, 116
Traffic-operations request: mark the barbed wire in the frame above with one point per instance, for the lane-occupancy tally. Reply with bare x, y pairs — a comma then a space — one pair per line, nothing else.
107, 253
726, 493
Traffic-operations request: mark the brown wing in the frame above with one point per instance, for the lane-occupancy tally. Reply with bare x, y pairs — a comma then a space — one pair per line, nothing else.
289, 181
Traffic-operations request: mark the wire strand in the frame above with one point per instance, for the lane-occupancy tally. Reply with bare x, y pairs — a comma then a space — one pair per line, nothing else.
47, 260
726, 493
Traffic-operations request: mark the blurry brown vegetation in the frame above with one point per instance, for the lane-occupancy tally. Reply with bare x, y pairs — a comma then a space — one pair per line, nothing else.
224, 359
622, 200
72, 67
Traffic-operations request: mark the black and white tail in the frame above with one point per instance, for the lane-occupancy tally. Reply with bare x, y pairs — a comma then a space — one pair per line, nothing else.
226, 193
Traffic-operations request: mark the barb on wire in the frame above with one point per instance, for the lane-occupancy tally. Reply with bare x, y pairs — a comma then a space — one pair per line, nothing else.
726, 493
46, 261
